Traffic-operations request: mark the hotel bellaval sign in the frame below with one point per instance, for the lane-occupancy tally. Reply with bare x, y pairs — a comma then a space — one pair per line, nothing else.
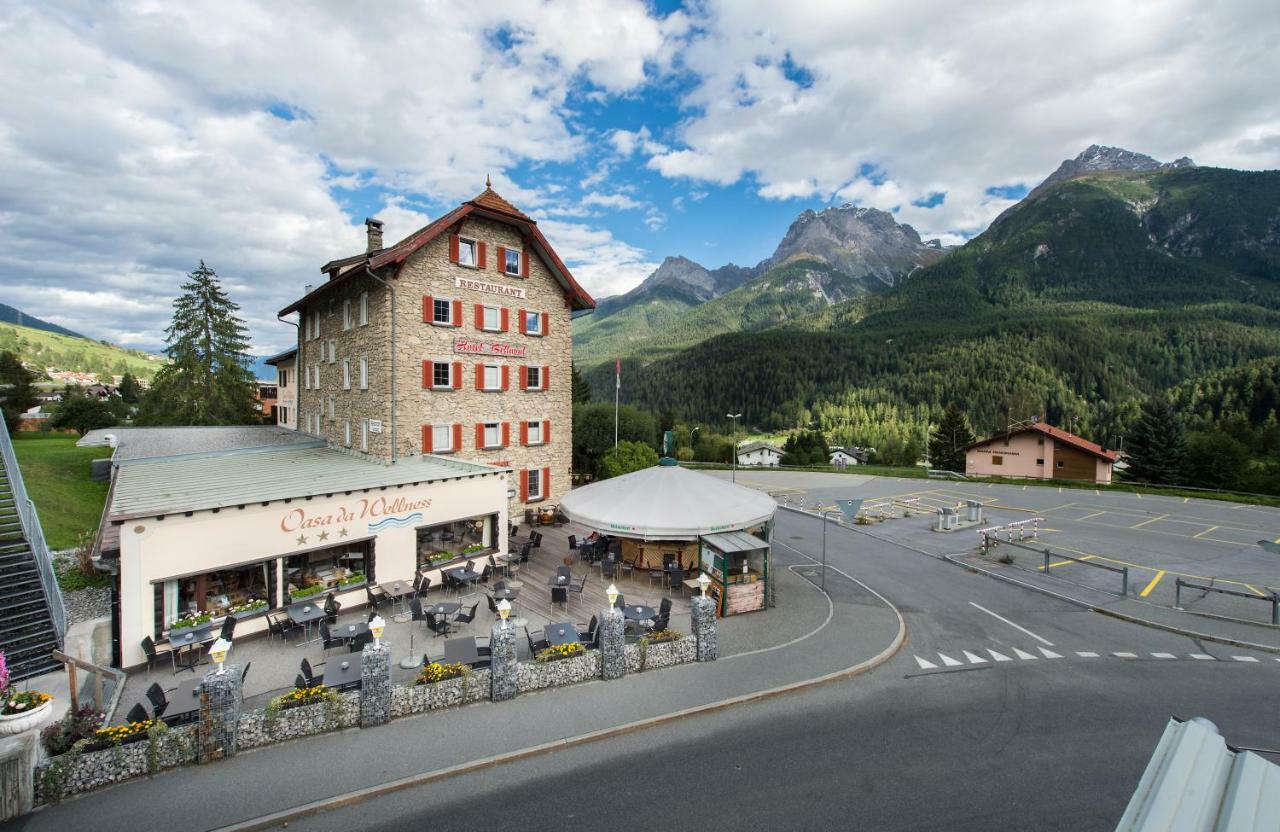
470, 347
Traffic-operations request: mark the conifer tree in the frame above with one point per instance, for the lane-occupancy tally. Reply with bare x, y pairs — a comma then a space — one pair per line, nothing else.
1157, 444
207, 380
949, 439
17, 392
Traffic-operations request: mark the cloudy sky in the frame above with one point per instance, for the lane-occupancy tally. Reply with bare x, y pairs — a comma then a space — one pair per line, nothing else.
138, 137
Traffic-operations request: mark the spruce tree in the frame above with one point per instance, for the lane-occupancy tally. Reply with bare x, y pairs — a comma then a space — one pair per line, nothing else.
949, 439
130, 390
1157, 444
207, 380
17, 391
581, 389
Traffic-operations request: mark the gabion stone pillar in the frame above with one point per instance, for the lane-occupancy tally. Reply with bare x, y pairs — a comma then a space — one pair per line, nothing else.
220, 700
613, 644
704, 628
18, 755
375, 685
503, 666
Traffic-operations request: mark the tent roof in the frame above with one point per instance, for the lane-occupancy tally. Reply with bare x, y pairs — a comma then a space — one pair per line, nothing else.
667, 502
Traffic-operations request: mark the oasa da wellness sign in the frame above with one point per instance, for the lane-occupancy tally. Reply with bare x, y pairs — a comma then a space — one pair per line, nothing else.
379, 512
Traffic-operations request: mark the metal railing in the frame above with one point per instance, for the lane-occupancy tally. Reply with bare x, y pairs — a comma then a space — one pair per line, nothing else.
1122, 570
1273, 600
34, 534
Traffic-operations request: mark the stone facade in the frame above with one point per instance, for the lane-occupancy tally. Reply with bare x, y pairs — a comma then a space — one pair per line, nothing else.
703, 615
613, 644
503, 665
220, 713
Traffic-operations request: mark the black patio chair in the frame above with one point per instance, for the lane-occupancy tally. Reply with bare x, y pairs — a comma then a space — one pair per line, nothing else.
309, 674
244, 674
560, 595
589, 632
328, 640
419, 614
421, 586
675, 580
621, 602
535, 540
357, 644
299, 682
331, 609
228, 628
526, 551
536, 646
493, 605
153, 653
486, 574
377, 598
280, 626
468, 616
137, 713
437, 625
573, 543
608, 569
664, 609
155, 695
579, 586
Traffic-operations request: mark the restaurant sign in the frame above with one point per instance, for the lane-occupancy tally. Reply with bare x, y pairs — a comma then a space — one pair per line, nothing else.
470, 347
378, 511
490, 288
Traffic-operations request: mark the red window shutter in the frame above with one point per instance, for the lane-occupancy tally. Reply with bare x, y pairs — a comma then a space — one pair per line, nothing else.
546, 432
479, 316
506, 319
457, 436
506, 434
546, 483
546, 379
479, 376
426, 439
428, 304
524, 485
524, 263
479, 435
480, 258
524, 377
524, 433
457, 313
426, 374
453, 248
546, 323
457, 375
520, 320
506, 377
502, 259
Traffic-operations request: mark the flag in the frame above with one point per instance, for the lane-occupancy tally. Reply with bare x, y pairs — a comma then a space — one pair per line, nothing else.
617, 367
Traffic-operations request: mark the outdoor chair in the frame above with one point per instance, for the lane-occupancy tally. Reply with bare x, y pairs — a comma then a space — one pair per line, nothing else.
299, 682
655, 575
328, 640
468, 616
579, 587
309, 674
439, 626
244, 674
664, 609
660, 623
573, 543
608, 569
564, 571
377, 598
493, 564
137, 713
331, 609
357, 644
419, 614
493, 606
228, 628
560, 595
536, 646
625, 568
155, 695
149, 647
675, 580
621, 602
421, 587
279, 626
536, 540
487, 573
589, 632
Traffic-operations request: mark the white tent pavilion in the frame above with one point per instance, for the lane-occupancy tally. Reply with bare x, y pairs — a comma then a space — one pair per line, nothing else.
663, 513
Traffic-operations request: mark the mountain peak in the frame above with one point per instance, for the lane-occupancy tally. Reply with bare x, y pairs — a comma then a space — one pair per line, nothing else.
680, 272
1096, 158
860, 241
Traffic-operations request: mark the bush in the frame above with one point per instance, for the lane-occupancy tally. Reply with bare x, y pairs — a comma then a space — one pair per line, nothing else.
74, 726
439, 671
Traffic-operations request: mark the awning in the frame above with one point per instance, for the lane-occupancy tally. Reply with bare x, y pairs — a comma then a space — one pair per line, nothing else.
730, 542
667, 502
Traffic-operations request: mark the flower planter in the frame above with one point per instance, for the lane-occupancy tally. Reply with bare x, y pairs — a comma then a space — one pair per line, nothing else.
27, 720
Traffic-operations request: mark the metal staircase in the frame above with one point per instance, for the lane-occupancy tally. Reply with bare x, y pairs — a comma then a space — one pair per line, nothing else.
33, 620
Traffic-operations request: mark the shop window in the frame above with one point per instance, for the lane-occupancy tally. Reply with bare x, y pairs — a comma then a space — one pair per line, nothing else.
336, 568
996, 459
448, 541
236, 591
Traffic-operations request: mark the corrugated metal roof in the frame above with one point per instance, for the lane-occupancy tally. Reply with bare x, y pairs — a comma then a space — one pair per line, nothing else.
1197, 783
729, 542
143, 443
216, 480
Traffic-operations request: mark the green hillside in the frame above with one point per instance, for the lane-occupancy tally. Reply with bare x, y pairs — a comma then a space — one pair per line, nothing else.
608, 333
50, 350
1096, 293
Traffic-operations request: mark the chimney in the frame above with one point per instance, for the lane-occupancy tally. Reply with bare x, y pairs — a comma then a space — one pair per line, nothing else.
374, 229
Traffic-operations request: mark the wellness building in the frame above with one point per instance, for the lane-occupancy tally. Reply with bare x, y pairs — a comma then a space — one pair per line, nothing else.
1039, 451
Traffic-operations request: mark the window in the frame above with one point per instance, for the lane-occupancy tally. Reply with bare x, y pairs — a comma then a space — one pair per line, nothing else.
511, 261
535, 483
346, 315
532, 322
442, 439
466, 252
344, 566
315, 372
216, 592
306, 378
346, 374
996, 459
533, 432
346, 434
491, 435
364, 308
492, 377
1059, 463
533, 378
332, 406
442, 543
364, 373
442, 311
282, 377
333, 351
364, 434
282, 415
1039, 462
440, 376
491, 319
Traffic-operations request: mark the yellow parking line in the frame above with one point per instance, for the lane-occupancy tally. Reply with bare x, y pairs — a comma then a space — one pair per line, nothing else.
1255, 591
1055, 508
1088, 516
1206, 531
1145, 522
1014, 508
1097, 492
1132, 565
1147, 589
1066, 562
1139, 495
1186, 500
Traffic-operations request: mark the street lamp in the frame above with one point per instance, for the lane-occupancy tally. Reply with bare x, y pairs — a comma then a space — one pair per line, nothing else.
504, 610
735, 417
376, 626
612, 594
218, 652
703, 583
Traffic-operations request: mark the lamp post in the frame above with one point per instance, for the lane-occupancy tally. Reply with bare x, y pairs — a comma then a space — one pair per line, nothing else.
735, 417
218, 652
376, 626
504, 610
703, 583
612, 594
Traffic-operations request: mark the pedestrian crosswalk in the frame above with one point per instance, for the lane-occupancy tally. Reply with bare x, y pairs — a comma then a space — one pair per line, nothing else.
988, 657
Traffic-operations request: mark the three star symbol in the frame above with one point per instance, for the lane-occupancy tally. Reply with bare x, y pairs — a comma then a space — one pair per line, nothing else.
324, 536
302, 538
342, 532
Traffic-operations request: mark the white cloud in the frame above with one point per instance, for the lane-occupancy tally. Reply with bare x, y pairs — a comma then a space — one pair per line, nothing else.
988, 95
603, 264
617, 202
627, 142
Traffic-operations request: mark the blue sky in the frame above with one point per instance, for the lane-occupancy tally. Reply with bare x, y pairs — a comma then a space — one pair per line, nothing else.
137, 139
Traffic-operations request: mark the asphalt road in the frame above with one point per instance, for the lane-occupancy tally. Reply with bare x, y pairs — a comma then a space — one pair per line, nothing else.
1005, 710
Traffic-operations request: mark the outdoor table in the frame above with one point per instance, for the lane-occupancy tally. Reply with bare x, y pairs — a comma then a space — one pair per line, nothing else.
397, 591
184, 702
338, 677
350, 632
559, 580
305, 612
462, 650
563, 633
189, 640
443, 608
505, 594
463, 576
692, 583
638, 612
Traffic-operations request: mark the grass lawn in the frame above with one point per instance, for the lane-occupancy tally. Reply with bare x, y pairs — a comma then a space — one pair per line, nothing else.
56, 473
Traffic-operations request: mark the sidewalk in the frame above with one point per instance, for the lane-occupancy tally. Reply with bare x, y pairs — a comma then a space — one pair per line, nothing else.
853, 628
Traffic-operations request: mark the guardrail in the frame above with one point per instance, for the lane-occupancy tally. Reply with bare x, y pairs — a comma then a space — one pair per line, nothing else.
1122, 570
34, 534
990, 536
1274, 600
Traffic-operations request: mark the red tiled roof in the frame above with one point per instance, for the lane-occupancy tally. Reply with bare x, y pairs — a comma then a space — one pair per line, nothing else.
1057, 434
488, 203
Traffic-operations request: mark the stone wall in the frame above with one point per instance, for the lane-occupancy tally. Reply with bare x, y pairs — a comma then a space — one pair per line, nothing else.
260, 728
417, 699
537, 675
74, 773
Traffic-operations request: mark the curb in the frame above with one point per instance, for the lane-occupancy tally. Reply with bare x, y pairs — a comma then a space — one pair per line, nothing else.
1132, 619
284, 816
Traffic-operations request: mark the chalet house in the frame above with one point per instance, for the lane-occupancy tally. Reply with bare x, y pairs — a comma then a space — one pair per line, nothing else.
1040, 451
759, 453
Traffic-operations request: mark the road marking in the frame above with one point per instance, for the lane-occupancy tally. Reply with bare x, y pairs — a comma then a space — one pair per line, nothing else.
1206, 531
1163, 656
1139, 495
1087, 516
1024, 488
1065, 562
1255, 590
1044, 641
1059, 489
1205, 657
1245, 658
948, 661
1055, 508
1132, 565
1125, 655
1186, 500
1049, 654
1146, 522
1000, 657
973, 659
1155, 580
1024, 655
1086, 654
1097, 492
925, 664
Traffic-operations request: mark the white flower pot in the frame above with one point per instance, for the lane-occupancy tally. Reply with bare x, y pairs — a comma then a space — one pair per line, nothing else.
26, 721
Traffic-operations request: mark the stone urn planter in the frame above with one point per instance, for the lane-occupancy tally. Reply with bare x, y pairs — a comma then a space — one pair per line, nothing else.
20, 723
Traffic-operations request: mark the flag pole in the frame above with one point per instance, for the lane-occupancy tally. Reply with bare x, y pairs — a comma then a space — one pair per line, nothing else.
617, 392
